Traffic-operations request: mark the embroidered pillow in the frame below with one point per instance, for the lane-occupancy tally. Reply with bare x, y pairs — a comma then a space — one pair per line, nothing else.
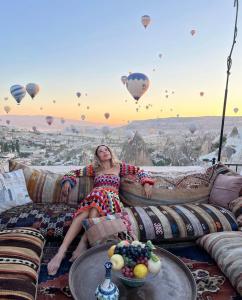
110, 227
13, 190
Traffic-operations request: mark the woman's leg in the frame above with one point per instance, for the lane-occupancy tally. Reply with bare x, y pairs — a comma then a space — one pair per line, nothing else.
82, 246
73, 231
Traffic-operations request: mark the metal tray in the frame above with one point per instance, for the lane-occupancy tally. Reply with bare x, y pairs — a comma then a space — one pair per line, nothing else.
174, 281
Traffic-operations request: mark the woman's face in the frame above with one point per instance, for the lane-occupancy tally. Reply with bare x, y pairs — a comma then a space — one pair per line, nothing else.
103, 153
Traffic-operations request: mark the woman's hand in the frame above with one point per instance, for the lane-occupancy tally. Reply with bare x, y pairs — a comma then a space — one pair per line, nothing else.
148, 190
66, 188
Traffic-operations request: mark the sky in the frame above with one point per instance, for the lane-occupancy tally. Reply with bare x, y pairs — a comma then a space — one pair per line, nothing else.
69, 46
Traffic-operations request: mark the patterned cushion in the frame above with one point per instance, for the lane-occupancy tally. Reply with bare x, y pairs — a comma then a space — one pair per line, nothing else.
194, 188
52, 220
225, 249
236, 207
20, 257
116, 226
179, 222
44, 186
13, 191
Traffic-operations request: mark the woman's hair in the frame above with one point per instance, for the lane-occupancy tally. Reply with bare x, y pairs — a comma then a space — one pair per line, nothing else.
97, 162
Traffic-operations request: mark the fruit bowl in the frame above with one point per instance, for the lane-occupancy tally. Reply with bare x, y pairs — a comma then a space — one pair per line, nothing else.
134, 282
134, 263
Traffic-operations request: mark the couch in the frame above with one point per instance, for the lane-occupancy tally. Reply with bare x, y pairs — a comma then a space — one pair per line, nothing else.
178, 211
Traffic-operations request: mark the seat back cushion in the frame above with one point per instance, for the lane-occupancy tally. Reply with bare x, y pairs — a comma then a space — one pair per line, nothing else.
44, 186
192, 188
20, 256
179, 222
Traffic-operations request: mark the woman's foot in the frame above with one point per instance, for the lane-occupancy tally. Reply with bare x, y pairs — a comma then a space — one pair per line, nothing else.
55, 262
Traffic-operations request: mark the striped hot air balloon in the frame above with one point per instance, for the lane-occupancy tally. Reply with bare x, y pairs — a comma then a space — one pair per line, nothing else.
137, 84
18, 92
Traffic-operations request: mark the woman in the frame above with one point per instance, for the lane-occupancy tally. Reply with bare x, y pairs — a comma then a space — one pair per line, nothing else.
102, 200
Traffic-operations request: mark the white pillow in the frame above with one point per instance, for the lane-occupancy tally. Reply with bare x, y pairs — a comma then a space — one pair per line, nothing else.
13, 190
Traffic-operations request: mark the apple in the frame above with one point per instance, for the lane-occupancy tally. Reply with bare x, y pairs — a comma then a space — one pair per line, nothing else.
111, 251
117, 261
123, 243
154, 264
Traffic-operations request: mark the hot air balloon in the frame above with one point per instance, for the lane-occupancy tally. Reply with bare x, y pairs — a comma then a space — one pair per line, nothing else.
78, 94
62, 120
34, 128
137, 109
171, 109
192, 128
160, 55
49, 120
83, 117
167, 96
7, 109
177, 115
126, 100
79, 104
32, 89
124, 79
86, 94
18, 92
153, 70
137, 84
88, 107
147, 106
41, 108
236, 110
8, 122
145, 20
193, 31
107, 115
54, 101
5, 98
201, 94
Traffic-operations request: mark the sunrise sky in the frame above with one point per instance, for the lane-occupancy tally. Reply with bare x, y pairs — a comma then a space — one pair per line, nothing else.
71, 45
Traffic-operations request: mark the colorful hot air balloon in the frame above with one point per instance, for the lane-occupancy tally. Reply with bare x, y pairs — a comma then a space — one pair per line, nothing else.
88, 107
201, 94
8, 122
167, 96
49, 120
78, 94
83, 117
41, 108
124, 79
160, 55
54, 101
145, 20
236, 110
137, 109
107, 115
137, 84
32, 89
7, 109
18, 92
193, 31
79, 104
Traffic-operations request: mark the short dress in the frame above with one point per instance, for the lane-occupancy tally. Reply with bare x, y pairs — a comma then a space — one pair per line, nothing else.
105, 193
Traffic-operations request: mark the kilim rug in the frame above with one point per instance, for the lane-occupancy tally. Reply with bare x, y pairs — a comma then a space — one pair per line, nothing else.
211, 283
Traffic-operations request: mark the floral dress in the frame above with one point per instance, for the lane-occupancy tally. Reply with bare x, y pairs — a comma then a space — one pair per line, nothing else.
105, 193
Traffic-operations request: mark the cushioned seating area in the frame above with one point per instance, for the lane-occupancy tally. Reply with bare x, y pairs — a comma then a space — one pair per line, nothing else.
226, 249
179, 222
20, 256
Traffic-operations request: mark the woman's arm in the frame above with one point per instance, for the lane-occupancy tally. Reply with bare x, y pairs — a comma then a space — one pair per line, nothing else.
143, 176
72, 175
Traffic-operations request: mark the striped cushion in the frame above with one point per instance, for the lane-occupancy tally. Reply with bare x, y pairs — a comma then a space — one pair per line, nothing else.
179, 222
226, 249
44, 186
236, 207
20, 256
